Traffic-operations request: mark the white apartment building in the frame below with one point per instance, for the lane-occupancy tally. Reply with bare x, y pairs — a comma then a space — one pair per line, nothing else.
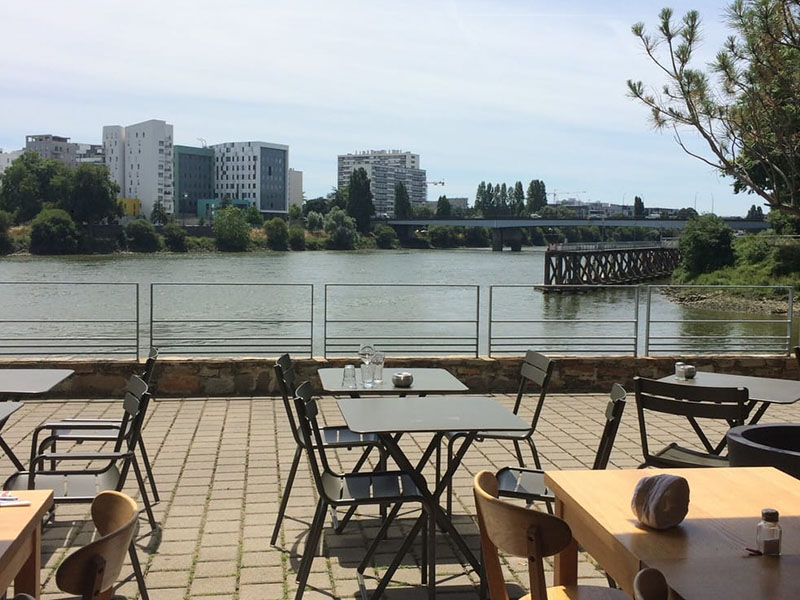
384, 169
295, 188
139, 158
6, 158
257, 172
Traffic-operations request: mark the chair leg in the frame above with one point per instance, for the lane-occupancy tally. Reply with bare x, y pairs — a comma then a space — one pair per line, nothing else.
424, 566
376, 541
143, 491
518, 452
534, 453
287, 489
137, 571
311, 548
431, 543
450, 483
149, 470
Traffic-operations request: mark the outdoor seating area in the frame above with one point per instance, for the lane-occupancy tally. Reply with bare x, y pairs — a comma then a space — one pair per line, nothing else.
357, 496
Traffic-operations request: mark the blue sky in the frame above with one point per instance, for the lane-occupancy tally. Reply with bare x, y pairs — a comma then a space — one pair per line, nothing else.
483, 90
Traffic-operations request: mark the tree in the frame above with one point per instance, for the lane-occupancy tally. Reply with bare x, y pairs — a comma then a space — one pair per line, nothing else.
342, 230
314, 221
226, 201
5, 238
706, 245
317, 205
518, 200
174, 237
53, 232
442, 236
295, 214
402, 205
443, 208
254, 216
142, 236
277, 234
158, 215
755, 213
297, 238
385, 237
231, 230
359, 199
536, 198
749, 121
686, 214
93, 195
638, 207
783, 223
30, 182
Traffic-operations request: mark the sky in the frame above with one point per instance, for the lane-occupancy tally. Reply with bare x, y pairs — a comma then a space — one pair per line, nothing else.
491, 90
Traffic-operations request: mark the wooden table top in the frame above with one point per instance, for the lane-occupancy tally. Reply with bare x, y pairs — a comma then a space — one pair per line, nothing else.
31, 381
762, 389
703, 557
16, 525
426, 381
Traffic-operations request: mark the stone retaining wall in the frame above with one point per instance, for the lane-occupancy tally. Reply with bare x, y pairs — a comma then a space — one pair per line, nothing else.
204, 377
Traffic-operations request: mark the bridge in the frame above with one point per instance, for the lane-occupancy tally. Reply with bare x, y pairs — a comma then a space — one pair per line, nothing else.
507, 231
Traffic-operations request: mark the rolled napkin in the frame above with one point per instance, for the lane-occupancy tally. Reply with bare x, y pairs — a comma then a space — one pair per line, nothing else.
661, 501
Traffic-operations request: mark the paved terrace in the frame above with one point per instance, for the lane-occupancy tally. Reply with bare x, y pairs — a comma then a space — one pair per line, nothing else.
220, 464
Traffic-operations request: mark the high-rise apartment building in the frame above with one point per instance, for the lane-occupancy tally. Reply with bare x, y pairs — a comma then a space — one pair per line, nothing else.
139, 158
384, 169
194, 177
6, 158
53, 146
257, 172
89, 153
295, 188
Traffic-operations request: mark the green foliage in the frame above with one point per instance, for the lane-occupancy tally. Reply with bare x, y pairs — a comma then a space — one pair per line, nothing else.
706, 245
686, 214
638, 207
477, 237
752, 249
536, 197
783, 223
295, 215
6, 245
297, 238
53, 232
159, 216
537, 237
787, 259
254, 216
142, 236
93, 196
277, 234
231, 230
359, 199
314, 221
443, 208
30, 182
756, 213
342, 230
402, 204
385, 237
421, 212
442, 236
200, 244
318, 205
174, 237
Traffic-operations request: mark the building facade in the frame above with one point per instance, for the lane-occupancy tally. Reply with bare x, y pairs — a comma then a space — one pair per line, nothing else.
194, 177
53, 146
384, 169
6, 158
89, 153
295, 188
114, 154
257, 172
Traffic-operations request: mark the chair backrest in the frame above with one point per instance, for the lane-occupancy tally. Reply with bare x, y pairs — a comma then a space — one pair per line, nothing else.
150, 366
95, 568
691, 401
536, 368
517, 531
307, 411
284, 373
614, 410
134, 404
147, 377
650, 584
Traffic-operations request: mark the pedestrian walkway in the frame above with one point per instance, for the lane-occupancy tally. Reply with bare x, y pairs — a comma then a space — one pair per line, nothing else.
220, 464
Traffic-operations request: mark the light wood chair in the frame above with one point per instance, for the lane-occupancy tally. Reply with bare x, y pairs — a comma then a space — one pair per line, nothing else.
650, 584
524, 532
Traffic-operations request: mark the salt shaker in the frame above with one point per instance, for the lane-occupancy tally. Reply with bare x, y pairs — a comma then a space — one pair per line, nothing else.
680, 372
768, 533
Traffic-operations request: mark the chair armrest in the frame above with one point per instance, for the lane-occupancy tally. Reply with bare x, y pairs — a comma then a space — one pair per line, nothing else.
66, 422
38, 460
78, 425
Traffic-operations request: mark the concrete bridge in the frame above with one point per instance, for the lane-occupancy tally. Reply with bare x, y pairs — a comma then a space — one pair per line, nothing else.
507, 231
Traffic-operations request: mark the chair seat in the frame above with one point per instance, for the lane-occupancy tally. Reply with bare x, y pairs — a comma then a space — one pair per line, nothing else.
77, 487
678, 456
370, 487
342, 437
525, 484
582, 592
503, 435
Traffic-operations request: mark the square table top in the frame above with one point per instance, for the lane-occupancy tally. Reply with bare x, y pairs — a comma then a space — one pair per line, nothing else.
16, 525
31, 381
762, 389
426, 381
424, 414
703, 557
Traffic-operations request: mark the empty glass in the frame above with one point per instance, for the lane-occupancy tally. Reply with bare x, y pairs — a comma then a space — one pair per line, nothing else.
365, 352
367, 377
349, 377
377, 366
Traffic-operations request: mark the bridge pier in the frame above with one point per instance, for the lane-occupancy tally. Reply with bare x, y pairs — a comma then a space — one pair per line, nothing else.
511, 236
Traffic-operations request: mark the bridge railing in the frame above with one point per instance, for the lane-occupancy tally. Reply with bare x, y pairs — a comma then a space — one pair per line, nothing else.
715, 332
520, 317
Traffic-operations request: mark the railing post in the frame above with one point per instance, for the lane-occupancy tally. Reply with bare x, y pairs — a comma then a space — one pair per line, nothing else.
647, 320
311, 341
325, 324
136, 353
489, 331
152, 285
477, 320
636, 321
790, 322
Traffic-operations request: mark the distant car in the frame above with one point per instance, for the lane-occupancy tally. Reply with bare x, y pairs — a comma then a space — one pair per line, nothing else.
536, 216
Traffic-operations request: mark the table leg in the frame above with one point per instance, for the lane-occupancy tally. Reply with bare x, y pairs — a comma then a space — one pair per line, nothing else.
10, 453
565, 563
27, 580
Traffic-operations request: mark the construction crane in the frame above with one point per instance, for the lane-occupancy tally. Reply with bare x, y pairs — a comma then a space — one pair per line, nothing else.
434, 182
202, 142
555, 194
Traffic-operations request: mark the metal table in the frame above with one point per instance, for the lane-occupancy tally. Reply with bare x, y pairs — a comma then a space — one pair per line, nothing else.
426, 381
389, 419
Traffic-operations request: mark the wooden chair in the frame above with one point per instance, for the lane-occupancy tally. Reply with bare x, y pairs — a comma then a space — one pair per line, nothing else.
536, 368
693, 402
650, 584
524, 532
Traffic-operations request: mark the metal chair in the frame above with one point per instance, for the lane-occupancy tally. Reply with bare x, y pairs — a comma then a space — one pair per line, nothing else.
524, 532
81, 430
536, 368
650, 584
693, 402
528, 484
82, 485
351, 489
332, 437
797, 356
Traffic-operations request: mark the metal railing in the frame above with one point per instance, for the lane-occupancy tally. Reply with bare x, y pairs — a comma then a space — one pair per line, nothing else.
103, 321
232, 319
512, 330
384, 314
721, 335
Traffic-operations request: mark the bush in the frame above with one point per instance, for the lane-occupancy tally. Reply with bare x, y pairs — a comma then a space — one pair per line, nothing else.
200, 244
442, 236
787, 259
385, 237
706, 245
314, 221
752, 249
277, 234
142, 236
174, 237
53, 232
254, 216
297, 238
477, 237
231, 229
341, 229
98, 245
6, 245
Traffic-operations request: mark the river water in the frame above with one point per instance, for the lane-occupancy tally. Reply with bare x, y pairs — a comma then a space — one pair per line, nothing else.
601, 322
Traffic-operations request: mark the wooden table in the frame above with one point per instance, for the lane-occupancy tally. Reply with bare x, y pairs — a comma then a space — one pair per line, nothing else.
21, 542
426, 381
703, 557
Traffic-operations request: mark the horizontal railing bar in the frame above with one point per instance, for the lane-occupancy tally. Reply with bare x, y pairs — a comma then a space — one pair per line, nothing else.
761, 321
262, 321
43, 321
401, 321
466, 286
233, 283
615, 321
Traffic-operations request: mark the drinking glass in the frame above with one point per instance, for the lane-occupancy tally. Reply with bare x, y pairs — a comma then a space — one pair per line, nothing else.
365, 352
349, 377
377, 366
367, 377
